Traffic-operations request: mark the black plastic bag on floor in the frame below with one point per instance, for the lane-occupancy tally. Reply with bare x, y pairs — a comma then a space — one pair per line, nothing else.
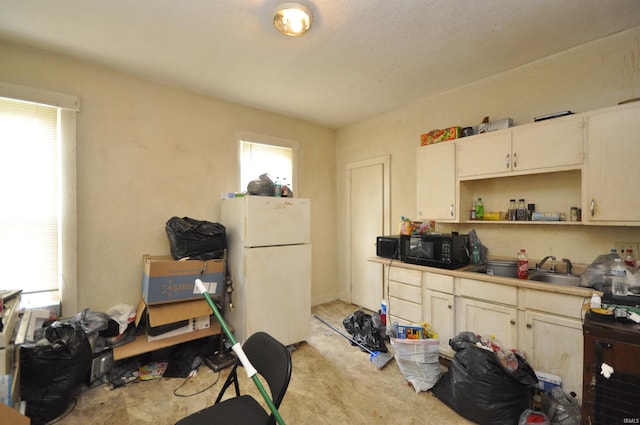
479, 388
52, 374
365, 329
195, 239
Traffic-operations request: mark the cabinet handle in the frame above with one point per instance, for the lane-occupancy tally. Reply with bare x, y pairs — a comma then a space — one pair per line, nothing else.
513, 322
529, 325
507, 161
592, 207
451, 210
515, 160
449, 307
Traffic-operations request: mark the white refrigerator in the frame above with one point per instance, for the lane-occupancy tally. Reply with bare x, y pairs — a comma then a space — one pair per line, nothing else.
269, 260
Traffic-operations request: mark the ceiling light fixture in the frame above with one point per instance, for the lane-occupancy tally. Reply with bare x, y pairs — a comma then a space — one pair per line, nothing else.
292, 19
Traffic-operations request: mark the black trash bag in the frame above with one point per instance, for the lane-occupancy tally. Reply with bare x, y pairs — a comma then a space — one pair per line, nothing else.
463, 340
262, 186
196, 239
52, 374
365, 329
479, 388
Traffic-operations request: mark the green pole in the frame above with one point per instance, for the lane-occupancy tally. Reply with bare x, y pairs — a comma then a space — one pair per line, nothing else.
229, 335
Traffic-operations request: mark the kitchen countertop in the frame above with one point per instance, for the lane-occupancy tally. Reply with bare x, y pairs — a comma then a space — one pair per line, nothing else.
464, 273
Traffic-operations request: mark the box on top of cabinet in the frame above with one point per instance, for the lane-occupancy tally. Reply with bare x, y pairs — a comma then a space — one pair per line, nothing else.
166, 280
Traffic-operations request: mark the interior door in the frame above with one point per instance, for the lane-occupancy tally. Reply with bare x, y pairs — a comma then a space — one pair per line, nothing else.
367, 218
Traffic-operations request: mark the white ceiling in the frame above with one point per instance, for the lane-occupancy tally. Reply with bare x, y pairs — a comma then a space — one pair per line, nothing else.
360, 58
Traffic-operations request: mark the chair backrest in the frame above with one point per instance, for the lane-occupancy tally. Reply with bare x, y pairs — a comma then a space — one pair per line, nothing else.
272, 360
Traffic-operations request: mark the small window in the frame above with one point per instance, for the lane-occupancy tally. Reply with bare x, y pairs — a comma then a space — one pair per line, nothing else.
260, 155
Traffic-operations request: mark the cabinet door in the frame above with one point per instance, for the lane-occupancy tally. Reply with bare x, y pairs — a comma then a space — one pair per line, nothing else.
548, 144
437, 310
613, 169
436, 182
554, 345
484, 154
484, 318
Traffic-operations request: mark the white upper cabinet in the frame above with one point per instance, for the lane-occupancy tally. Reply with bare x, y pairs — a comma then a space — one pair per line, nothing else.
553, 145
613, 166
436, 182
485, 154
556, 143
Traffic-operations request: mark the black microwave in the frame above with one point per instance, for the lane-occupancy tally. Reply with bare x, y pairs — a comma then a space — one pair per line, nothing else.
388, 246
444, 250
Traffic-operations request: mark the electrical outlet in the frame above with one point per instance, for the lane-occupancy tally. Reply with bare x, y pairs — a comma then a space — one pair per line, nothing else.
620, 246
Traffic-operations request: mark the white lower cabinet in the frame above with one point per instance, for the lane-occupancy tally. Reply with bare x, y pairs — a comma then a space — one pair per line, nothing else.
488, 319
487, 309
545, 325
405, 295
553, 340
438, 308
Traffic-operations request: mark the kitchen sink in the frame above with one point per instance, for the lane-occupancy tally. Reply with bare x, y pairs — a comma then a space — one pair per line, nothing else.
536, 275
556, 278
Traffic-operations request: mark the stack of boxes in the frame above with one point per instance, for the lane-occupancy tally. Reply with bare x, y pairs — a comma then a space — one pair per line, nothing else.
171, 310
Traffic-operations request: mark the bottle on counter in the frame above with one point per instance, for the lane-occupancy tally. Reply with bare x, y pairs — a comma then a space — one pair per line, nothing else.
278, 187
475, 252
479, 209
523, 265
619, 285
383, 312
521, 211
596, 301
284, 192
511, 212
630, 260
472, 211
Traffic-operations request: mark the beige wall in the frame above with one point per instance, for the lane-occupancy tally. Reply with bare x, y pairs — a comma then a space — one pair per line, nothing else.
147, 152
595, 75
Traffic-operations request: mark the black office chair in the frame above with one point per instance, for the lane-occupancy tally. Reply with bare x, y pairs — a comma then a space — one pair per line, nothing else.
272, 360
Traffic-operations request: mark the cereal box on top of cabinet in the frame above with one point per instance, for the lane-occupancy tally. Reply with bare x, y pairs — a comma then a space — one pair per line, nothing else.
437, 136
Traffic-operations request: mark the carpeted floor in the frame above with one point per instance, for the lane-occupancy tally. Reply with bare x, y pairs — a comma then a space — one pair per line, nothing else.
332, 383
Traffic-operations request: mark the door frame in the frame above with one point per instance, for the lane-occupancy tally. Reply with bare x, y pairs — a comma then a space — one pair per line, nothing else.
385, 161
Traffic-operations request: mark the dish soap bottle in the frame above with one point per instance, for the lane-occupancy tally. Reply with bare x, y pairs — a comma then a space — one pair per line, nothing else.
523, 265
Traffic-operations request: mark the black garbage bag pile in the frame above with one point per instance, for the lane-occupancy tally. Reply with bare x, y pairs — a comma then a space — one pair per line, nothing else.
195, 239
52, 373
478, 386
366, 329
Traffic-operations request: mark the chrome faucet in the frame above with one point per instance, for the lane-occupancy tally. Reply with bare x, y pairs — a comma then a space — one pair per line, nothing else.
569, 265
544, 260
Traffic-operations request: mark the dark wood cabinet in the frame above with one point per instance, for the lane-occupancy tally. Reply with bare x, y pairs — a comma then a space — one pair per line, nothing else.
613, 400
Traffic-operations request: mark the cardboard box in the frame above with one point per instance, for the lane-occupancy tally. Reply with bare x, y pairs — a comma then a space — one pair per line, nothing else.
194, 324
437, 136
12, 417
165, 280
547, 381
163, 314
195, 313
6, 384
493, 126
410, 332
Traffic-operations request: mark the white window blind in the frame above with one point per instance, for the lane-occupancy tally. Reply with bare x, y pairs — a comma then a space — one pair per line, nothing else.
258, 158
29, 181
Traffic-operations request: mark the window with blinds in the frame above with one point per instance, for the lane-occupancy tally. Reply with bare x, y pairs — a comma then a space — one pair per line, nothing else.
29, 189
258, 159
